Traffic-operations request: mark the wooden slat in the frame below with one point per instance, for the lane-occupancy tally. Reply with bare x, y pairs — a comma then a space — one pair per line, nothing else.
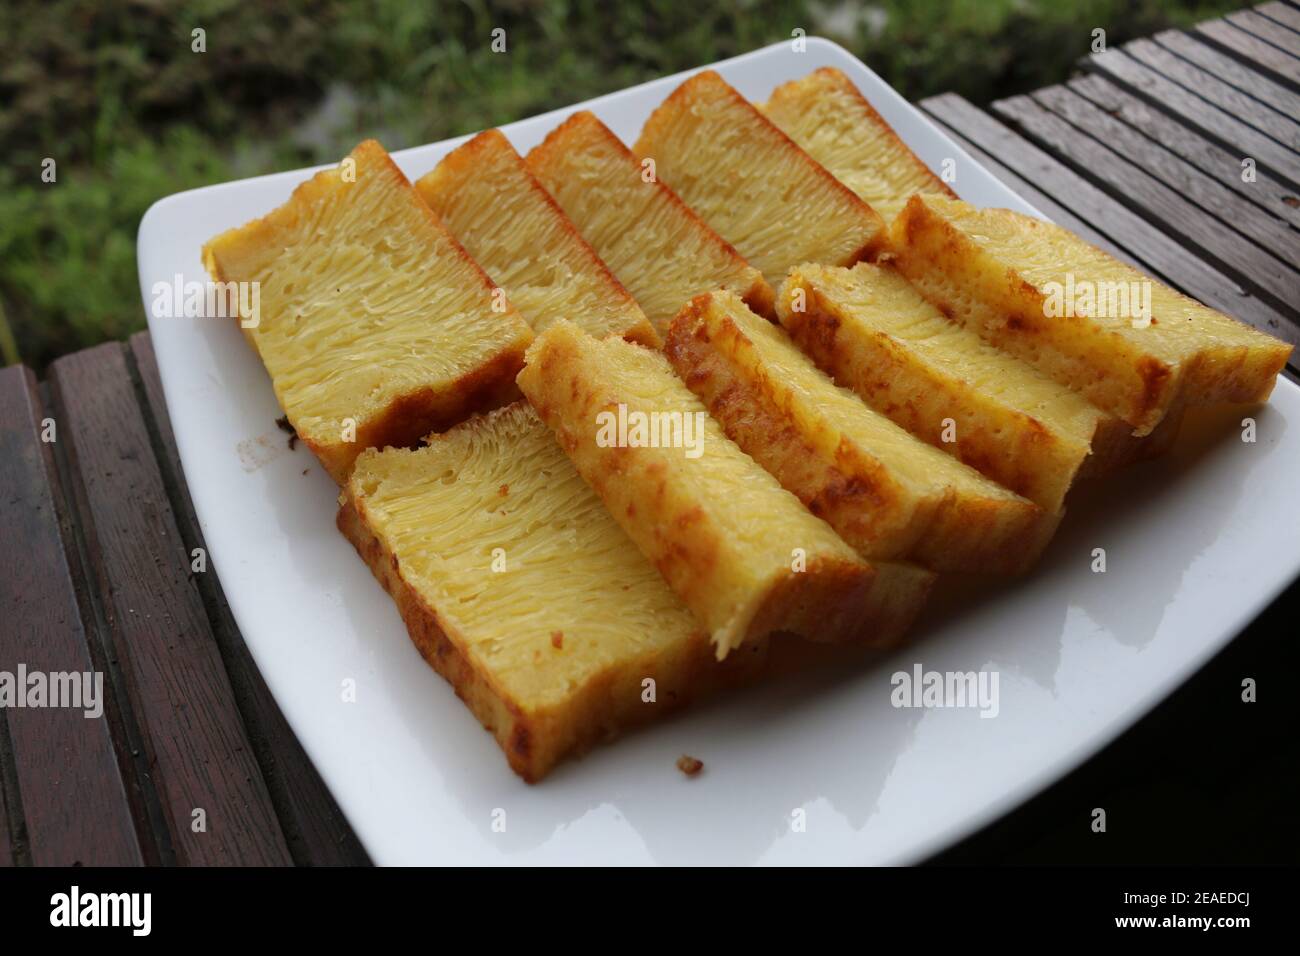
1253, 267
1263, 56
1282, 13
1268, 193
8, 788
1061, 215
1232, 210
1248, 109
1087, 203
314, 827
1231, 70
191, 730
1232, 133
1163, 255
75, 801
1267, 30
151, 827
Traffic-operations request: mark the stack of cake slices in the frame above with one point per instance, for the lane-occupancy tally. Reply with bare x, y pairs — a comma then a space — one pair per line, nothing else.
608, 421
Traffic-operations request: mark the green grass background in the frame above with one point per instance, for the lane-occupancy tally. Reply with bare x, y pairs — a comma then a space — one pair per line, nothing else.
113, 92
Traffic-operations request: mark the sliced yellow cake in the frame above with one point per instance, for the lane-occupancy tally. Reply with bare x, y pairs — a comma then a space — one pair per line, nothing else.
886, 492
740, 551
485, 195
653, 242
1130, 344
751, 183
874, 333
519, 588
834, 124
375, 325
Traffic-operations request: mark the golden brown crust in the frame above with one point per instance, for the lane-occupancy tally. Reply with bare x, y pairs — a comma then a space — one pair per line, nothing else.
840, 208
850, 494
665, 515
760, 294
514, 731
853, 492
682, 546
464, 256
413, 416
463, 160
934, 255
849, 88
410, 417
555, 140
662, 117
1115, 446
1247, 376
611, 703
898, 597
1135, 380
1002, 443
761, 300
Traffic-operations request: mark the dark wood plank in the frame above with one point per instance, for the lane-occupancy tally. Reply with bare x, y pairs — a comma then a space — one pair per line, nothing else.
1166, 95
75, 801
1162, 255
192, 733
151, 826
1263, 117
1253, 267
1059, 214
1230, 70
1267, 30
1232, 210
315, 829
1261, 55
1270, 194
1282, 13
11, 837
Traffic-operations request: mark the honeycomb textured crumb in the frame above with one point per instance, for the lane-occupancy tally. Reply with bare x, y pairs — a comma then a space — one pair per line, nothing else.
873, 332
885, 491
653, 242
751, 183
740, 550
485, 194
374, 324
1043, 294
831, 121
519, 587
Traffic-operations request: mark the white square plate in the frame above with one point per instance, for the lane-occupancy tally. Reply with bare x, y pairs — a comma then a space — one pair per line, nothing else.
1196, 545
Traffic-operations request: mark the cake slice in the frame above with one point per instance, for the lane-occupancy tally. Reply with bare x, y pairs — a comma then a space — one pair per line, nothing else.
518, 587
485, 195
740, 551
1130, 344
886, 492
653, 242
873, 333
834, 124
751, 183
375, 325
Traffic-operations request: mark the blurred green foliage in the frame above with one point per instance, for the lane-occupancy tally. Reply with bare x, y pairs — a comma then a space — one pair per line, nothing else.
114, 93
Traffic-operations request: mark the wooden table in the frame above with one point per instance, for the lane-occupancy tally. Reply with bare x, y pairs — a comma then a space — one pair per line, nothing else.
99, 547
